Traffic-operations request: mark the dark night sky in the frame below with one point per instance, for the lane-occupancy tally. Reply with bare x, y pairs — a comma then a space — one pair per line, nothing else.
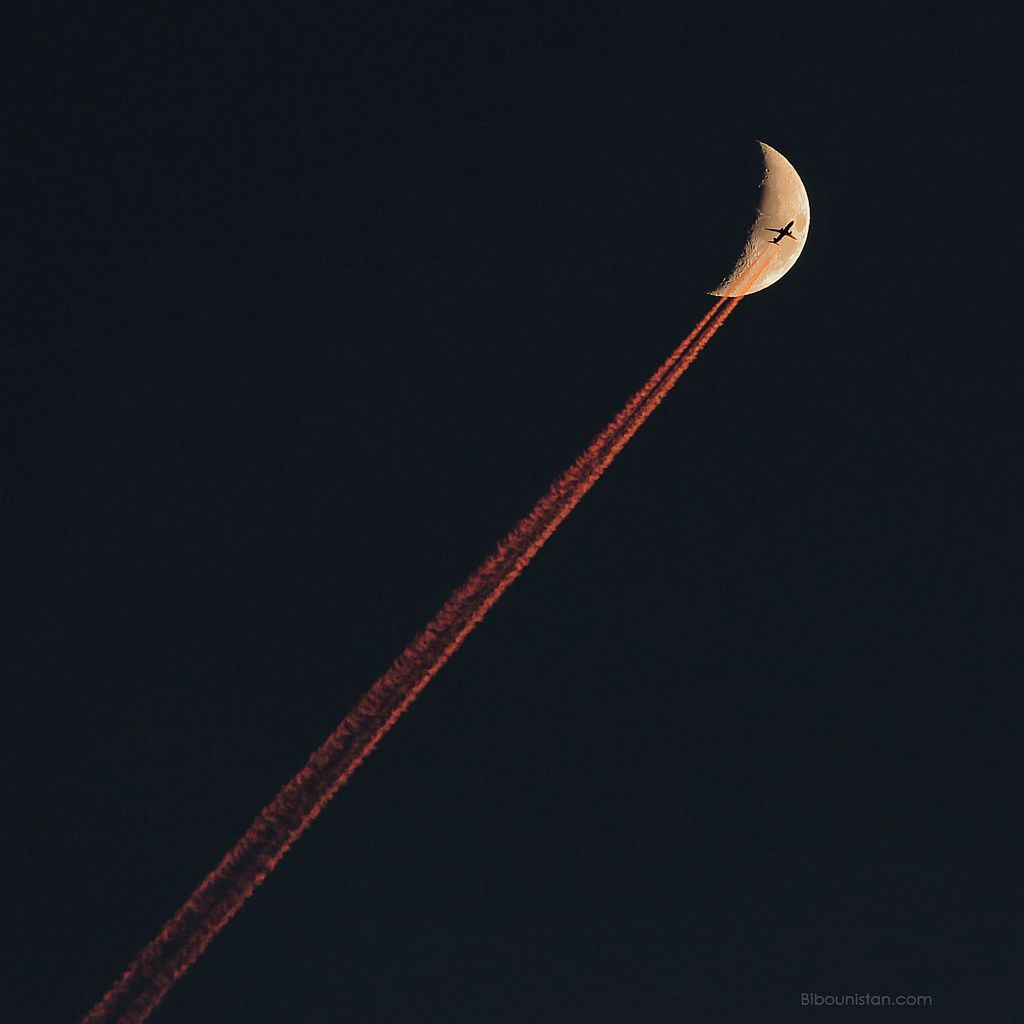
304, 310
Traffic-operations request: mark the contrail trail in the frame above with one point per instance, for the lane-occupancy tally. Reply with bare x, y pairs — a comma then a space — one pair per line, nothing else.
224, 891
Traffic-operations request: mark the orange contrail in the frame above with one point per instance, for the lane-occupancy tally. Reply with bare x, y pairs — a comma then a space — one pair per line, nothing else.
224, 891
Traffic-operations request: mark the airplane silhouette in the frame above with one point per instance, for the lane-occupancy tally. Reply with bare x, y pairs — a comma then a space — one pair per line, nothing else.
783, 233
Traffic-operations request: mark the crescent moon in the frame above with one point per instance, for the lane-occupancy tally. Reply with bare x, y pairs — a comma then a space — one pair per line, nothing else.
783, 199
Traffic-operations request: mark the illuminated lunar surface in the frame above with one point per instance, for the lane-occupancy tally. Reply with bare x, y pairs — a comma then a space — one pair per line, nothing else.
783, 199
